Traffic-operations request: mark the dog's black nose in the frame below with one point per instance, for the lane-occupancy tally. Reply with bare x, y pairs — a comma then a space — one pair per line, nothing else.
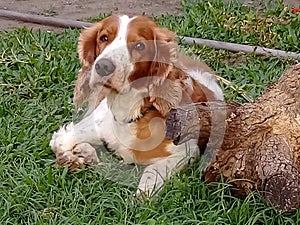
105, 67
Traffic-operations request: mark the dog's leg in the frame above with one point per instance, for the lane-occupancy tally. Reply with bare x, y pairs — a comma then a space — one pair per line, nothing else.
156, 174
72, 142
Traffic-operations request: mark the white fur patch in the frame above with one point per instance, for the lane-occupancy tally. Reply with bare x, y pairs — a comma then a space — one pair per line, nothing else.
127, 106
207, 79
64, 139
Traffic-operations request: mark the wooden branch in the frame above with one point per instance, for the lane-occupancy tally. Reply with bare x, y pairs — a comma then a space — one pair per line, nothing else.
49, 21
260, 146
182, 125
52, 21
240, 47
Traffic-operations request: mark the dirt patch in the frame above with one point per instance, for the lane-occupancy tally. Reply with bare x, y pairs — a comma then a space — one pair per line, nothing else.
84, 9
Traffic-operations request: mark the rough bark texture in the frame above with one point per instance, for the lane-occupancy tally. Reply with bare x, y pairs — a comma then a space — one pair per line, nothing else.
256, 146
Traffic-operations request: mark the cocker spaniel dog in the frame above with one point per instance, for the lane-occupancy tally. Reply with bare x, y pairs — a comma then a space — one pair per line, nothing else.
132, 75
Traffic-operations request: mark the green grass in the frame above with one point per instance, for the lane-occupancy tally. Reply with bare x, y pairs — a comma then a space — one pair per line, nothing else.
272, 26
37, 73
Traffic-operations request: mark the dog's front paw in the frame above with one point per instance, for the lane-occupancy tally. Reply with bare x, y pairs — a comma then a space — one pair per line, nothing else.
65, 158
143, 195
80, 156
64, 139
152, 181
86, 154
149, 190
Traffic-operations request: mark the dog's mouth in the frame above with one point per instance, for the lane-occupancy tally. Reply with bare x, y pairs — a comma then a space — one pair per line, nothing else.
93, 87
107, 85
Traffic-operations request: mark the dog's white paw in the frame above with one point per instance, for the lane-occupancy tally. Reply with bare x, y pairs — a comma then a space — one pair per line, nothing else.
142, 195
148, 190
64, 139
152, 180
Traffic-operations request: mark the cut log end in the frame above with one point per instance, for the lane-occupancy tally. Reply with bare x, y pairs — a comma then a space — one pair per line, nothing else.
283, 192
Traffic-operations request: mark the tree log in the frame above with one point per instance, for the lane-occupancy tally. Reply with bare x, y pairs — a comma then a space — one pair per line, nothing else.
256, 146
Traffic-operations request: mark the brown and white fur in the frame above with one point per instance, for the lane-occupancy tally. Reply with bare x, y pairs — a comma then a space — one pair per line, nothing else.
132, 75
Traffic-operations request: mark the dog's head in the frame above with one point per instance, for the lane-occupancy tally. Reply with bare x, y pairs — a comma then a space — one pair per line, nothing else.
120, 52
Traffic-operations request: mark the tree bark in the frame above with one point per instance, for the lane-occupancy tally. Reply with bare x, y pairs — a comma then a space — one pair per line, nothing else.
255, 145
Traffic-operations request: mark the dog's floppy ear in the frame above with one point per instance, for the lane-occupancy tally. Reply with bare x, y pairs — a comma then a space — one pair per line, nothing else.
165, 52
82, 89
164, 34
83, 92
165, 96
87, 50
87, 44
165, 91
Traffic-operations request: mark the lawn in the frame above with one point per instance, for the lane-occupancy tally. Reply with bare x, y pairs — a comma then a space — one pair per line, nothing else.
37, 74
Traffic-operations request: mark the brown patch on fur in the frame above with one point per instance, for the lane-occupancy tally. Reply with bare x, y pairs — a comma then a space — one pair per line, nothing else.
198, 94
149, 131
186, 62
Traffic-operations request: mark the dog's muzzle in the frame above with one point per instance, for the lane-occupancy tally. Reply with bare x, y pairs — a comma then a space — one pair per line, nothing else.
104, 67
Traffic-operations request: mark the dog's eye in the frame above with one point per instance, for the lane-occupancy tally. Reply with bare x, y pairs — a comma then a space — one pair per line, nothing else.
104, 38
139, 46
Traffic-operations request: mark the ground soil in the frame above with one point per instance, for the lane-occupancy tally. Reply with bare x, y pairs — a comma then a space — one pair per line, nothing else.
83, 9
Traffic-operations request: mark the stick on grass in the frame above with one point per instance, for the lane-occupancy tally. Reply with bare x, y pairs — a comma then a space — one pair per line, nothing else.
57, 22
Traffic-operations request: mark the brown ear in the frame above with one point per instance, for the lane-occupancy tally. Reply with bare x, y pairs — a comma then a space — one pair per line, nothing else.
87, 53
165, 96
82, 89
87, 44
165, 91
83, 92
165, 52
164, 34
